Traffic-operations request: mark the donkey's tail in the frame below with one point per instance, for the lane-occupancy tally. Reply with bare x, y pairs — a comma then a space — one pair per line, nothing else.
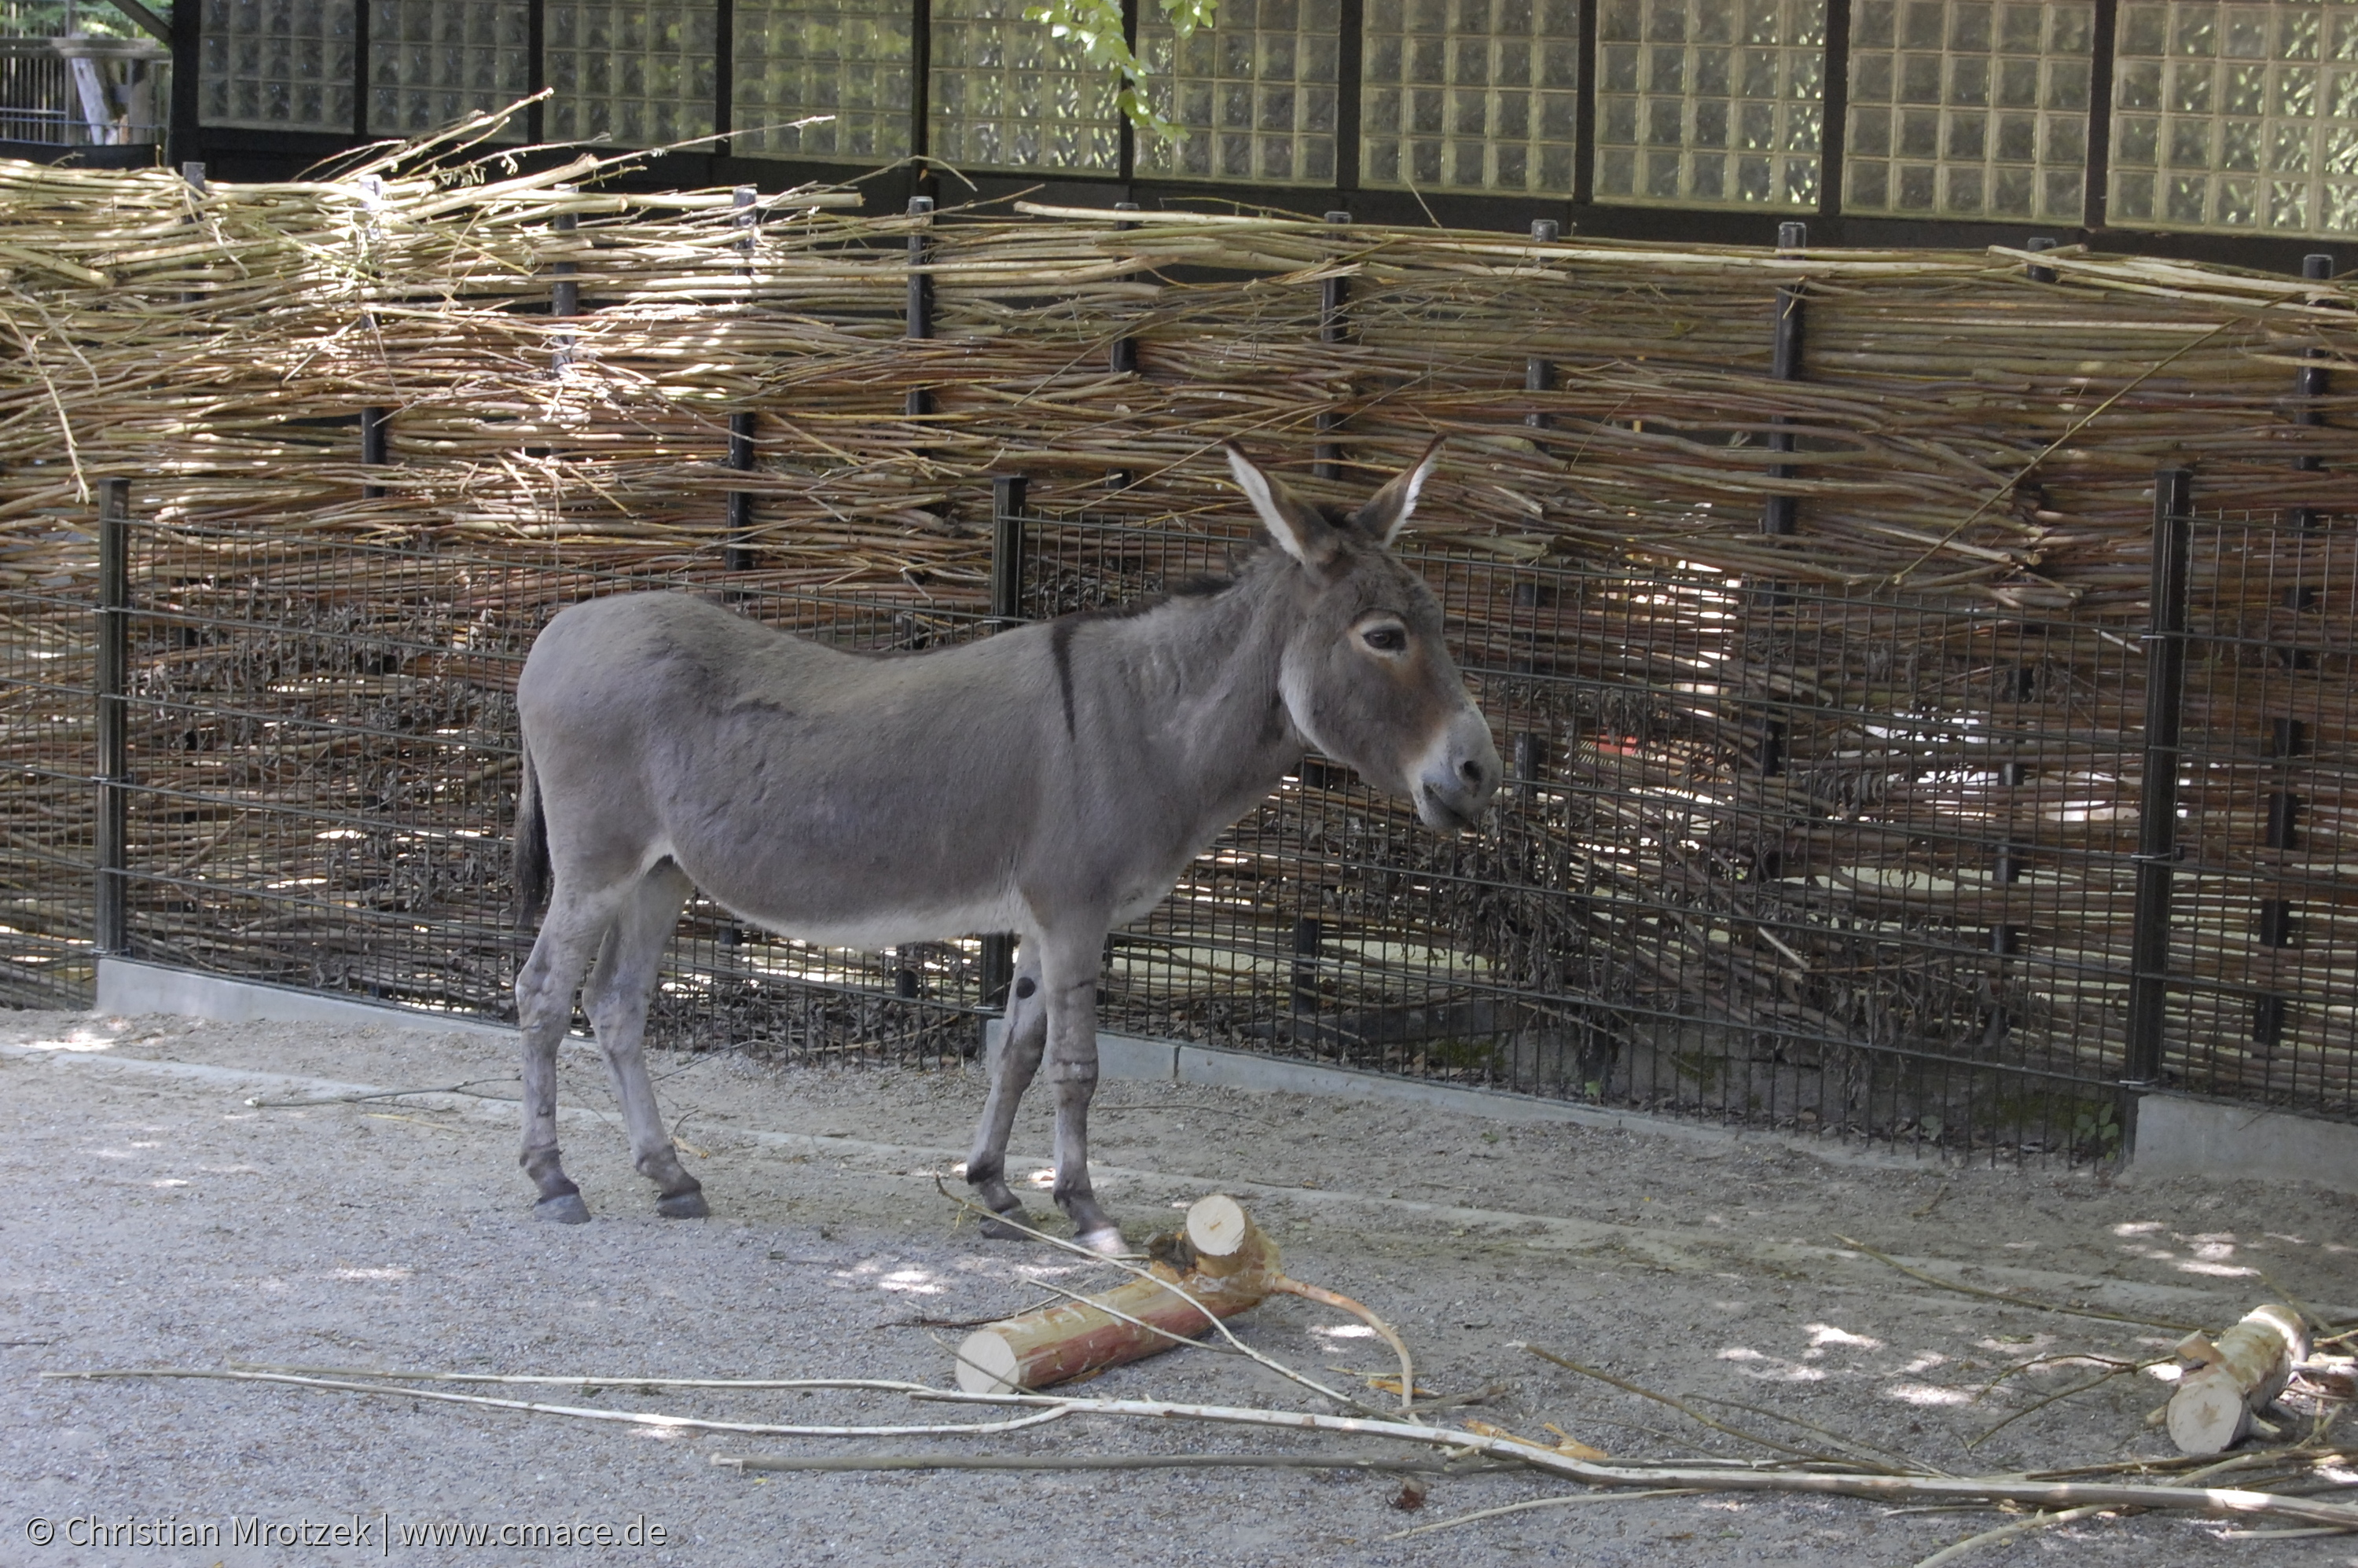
532, 868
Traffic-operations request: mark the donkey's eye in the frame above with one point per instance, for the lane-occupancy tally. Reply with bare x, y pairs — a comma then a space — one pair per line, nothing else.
1385, 639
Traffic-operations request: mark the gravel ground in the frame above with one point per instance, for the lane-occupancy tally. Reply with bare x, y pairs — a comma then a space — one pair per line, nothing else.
161, 1219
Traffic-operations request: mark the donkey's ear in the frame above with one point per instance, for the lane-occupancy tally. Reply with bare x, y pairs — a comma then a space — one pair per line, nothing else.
1387, 512
1298, 529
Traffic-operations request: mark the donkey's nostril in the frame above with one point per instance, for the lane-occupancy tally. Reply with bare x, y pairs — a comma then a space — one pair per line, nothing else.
1472, 769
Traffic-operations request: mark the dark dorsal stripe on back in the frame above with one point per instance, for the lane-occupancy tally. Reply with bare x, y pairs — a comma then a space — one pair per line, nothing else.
1062, 630
1060, 646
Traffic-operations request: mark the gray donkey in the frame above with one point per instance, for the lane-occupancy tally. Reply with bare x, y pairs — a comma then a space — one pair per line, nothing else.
1051, 780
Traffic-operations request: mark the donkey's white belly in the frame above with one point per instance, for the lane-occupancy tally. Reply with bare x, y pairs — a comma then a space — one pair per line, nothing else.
868, 930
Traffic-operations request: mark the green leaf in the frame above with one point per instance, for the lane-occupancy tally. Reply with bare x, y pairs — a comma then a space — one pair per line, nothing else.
1096, 27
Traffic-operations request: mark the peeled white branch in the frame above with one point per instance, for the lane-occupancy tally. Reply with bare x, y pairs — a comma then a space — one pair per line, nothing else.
1886, 1489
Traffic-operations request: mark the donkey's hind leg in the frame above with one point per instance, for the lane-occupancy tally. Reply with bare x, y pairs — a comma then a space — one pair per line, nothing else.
570, 934
616, 1001
1023, 1038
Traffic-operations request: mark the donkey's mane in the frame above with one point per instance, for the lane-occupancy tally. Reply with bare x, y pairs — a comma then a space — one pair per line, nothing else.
1209, 584
1202, 585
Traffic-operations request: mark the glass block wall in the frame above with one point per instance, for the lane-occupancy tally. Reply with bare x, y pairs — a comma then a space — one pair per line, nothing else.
2236, 117
636, 75
845, 58
1254, 98
433, 62
1006, 95
277, 65
1469, 94
1710, 102
1969, 109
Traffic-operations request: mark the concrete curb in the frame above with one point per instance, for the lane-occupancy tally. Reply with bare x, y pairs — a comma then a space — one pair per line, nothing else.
127, 987
2178, 1135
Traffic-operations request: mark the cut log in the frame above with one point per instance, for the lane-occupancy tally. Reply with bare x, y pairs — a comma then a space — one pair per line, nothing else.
1220, 1257
2247, 1367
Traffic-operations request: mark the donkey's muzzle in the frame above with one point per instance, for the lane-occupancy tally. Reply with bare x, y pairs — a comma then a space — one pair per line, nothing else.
1459, 776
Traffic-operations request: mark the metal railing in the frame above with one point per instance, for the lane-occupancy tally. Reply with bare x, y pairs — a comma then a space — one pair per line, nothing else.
72, 88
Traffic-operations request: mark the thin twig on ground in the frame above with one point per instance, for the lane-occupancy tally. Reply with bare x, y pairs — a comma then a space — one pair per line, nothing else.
2015, 1300
467, 1088
2098, 1381
2006, 1532
2020, 1368
1542, 1503
923, 1322
1092, 1461
627, 1418
563, 1379
1901, 1463
1689, 1412
2197, 1464
1452, 1401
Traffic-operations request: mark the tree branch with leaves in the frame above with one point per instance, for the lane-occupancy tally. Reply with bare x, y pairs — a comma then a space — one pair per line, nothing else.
1095, 25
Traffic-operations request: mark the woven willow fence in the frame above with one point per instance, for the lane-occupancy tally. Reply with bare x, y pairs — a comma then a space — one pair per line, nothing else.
1974, 433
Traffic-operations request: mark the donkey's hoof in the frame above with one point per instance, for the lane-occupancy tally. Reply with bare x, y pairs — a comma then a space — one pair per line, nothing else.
1001, 1231
565, 1208
1106, 1242
688, 1205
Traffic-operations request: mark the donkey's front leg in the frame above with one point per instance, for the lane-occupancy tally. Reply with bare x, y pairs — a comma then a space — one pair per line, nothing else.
1022, 1037
1069, 976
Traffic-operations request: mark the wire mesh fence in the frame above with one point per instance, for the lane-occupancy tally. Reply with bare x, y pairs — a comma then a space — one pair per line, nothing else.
1779, 854
1808, 858
2262, 954
47, 749
324, 754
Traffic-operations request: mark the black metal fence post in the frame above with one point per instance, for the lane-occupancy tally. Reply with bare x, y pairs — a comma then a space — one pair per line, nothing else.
1123, 358
2034, 272
193, 174
375, 421
2016, 685
375, 447
2312, 381
1008, 494
1309, 936
921, 294
564, 288
1785, 364
2165, 696
1778, 516
1538, 374
1333, 327
739, 554
2287, 736
113, 852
